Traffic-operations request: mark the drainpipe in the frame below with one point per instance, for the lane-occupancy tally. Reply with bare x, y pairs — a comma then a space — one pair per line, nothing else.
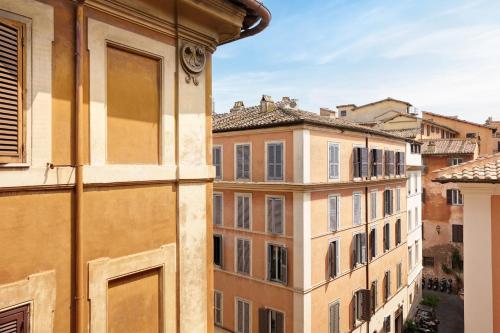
255, 11
367, 270
79, 269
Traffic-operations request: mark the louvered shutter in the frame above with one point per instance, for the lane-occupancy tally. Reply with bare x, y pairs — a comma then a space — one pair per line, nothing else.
247, 317
263, 320
239, 259
246, 212
365, 304
240, 209
353, 251
364, 162
356, 165
239, 162
246, 161
391, 202
333, 203
373, 252
331, 259
246, 251
402, 163
334, 318
11, 91
270, 263
379, 162
387, 160
449, 196
271, 161
218, 308
15, 320
280, 322
278, 215
241, 319
217, 160
278, 161
357, 209
363, 248
284, 265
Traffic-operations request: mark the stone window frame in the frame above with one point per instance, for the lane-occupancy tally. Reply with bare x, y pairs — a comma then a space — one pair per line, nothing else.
39, 292
100, 35
103, 270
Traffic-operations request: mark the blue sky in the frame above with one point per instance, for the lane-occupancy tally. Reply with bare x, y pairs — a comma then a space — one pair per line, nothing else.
440, 55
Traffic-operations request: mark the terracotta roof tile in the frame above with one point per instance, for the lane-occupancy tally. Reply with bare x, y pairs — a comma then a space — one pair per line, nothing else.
410, 133
454, 118
481, 170
448, 146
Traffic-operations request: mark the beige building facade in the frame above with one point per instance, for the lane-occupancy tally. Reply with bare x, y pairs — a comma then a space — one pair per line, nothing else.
105, 163
310, 229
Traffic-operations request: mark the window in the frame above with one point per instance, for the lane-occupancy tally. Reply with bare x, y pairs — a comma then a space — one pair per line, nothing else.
400, 163
356, 208
343, 113
361, 302
275, 161
423, 195
374, 296
217, 210
388, 202
398, 232
416, 217
410, 220
242, 316
217, 161
373, 205
15, 320
415, 183
333, 212
399, 275
376, 169
277, 266
11, 91
334, 317
373, 242
456, 161
387, 236
243, 202
218, 308
218, 250
428, 130
275, 216
457, 233
387, 285
334, 258
359, 249
398, 199
275, 322
410, 257
470, 135
417, 252
243, 256
454, 197
428, 261
389, 163
243, 161
415, 148
387, 324
360, 162
333, 161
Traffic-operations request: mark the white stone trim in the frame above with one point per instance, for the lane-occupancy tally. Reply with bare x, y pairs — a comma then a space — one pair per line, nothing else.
302, 156
100, 35
102, 270
39, 21
39, 291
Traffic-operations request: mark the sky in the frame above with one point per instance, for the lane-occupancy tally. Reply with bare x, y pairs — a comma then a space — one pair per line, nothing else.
441, 56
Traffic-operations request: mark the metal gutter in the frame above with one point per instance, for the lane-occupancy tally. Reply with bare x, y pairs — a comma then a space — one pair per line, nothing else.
256, 12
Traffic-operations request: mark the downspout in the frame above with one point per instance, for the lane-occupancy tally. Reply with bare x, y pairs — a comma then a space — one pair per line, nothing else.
367, 270
258, 9
77, 241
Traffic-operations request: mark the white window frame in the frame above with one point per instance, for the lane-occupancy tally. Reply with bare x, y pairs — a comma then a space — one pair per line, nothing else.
330, 177
221, 147
337, 222
221, 208
457, 198
266, 144
266, 261
354, 194
249, 161
221, 307
236, 255
250, 206
373, 193
239, 299
456, 160
269, 319
283, 200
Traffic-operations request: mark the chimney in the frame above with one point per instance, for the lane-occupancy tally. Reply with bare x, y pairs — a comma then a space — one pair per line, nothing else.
287, 102
267, 104
328, 113
238, 106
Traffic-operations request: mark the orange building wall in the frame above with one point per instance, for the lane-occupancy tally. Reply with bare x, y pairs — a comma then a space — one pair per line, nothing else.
495, 259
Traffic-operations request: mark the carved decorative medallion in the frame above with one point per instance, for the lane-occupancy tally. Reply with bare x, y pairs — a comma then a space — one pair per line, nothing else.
193, 59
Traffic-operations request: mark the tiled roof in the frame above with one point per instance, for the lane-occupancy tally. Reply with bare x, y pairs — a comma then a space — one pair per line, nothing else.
481, 170
376, 102
448, 146
455, 118
409, 133
253, 118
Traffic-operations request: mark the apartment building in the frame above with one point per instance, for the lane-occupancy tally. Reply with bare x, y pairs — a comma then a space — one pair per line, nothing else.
496, 136
310, 228
105, 162
479, 182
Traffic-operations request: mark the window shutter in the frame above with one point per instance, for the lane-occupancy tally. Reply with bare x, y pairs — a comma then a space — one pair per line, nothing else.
357, 209
239, 162
246, 161
333, 213
391, 164
391, 202
280, 322
356, 165
387, 159
246, 212
240, 208
11, 91
363, 248
15, 320
217, 209
365, 304
449, 194
364, 162
336, 161
402, 163
240, 318
271, 162
334, 318
331, 259
278, 161
379, 162
263, 320
353, 250
284, 265
278, 215
246, 250
239, 259
270, 215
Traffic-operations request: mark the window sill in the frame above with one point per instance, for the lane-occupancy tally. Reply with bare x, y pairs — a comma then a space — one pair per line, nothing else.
14, 165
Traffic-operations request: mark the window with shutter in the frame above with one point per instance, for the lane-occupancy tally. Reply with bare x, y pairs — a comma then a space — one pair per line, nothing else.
334, 258
276, 322
373, 205
217, 161
398, 231
218, 250
364, 162
333, 161
277, 263
243, 256
275, 161
389, 163
387, 237
217, 209
374, 296
373, 242
399, 275
400, 163
359, 249
410, 257
457, 233
454, 197
356, 207
387, 285
275, 215
15, 320
376, 160
388, 202
218, 308
243, 207
356, 166
398, 199
243, 316
243, 161
333, 212
11, 91
334, 317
